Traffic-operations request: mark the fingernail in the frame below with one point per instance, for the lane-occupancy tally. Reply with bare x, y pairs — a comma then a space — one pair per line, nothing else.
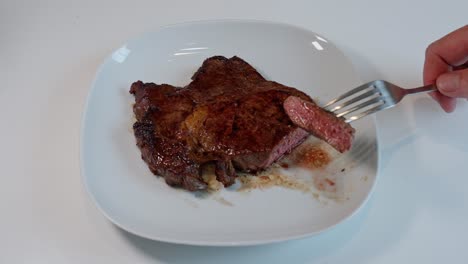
448, 82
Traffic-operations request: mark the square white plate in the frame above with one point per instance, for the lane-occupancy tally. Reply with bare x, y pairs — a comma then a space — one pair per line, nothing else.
124, 189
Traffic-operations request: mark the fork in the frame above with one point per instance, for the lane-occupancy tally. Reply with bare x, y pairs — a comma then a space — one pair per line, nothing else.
370, 98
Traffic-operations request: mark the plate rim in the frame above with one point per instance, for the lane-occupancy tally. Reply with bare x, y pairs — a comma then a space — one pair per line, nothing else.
91, 197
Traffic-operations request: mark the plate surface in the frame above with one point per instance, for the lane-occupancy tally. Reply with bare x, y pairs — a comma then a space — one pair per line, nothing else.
124, 189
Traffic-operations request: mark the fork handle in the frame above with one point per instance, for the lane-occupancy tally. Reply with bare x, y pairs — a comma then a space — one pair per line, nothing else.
423, 89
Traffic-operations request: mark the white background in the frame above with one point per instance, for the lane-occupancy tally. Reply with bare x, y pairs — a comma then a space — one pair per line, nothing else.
50, 51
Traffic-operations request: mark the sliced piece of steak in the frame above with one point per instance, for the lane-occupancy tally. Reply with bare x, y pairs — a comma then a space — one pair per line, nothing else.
320, 123
228, 115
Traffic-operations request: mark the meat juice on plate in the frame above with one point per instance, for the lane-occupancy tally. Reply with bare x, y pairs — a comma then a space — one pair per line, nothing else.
309, 169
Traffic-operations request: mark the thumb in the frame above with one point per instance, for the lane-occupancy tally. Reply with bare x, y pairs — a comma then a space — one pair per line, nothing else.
454, 84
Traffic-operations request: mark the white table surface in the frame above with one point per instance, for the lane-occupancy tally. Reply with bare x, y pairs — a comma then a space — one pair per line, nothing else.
49, 53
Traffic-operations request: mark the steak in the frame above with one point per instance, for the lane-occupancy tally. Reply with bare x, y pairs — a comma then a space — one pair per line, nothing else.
229, 116
320, 123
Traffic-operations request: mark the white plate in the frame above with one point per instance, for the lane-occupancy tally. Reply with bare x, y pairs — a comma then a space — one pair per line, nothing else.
124, 189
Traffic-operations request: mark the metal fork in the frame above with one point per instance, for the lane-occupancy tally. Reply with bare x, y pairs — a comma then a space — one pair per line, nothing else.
370, 98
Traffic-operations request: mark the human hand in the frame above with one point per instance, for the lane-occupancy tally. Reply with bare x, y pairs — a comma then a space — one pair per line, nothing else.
446, 65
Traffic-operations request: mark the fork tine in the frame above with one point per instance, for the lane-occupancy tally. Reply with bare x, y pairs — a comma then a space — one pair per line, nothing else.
367, 112
355, 90
361, 106
356, 99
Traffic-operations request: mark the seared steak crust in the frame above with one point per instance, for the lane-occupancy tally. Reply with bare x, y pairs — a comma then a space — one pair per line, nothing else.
228, 115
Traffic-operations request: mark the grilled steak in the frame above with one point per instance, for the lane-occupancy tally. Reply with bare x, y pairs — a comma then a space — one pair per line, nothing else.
229, 116
320, 123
